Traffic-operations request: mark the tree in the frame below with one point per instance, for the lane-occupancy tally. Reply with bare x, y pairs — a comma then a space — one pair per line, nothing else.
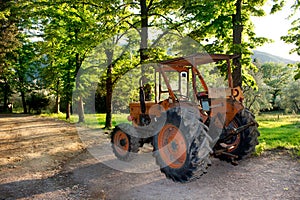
225, 27
293, 36
274, 88
70, 29
6, 83
276, 76
8, 43
290, 100
139, 16
114, 55
258, 98
37, 102
26, 69
237, 24
8, 31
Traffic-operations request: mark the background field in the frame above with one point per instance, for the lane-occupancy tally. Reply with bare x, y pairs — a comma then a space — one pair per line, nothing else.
279, 131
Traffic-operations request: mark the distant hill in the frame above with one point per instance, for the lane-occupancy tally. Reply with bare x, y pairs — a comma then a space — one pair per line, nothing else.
264, 57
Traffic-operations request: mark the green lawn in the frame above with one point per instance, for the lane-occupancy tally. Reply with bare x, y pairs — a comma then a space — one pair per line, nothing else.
277, 130
92, 120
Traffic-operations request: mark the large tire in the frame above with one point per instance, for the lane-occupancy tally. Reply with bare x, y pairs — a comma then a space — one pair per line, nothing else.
181, 148
243, 144
124, 145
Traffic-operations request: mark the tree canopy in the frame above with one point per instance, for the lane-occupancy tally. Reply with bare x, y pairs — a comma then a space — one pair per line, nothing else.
57, 48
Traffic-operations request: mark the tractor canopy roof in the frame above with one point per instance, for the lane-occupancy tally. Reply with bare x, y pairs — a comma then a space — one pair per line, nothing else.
196, 59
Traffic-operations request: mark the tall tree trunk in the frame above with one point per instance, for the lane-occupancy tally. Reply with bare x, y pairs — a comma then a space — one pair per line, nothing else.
57, 103
109, 90
24, 102
237, 41
68, 111
57, 99
108, 118
5, 95
68, 92
144, 55
80, 110
144, 32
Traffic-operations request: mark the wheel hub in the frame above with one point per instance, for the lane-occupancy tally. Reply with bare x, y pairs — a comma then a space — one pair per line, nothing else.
123, 142
172, 146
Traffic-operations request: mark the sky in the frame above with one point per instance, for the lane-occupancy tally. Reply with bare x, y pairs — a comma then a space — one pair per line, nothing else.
273, 26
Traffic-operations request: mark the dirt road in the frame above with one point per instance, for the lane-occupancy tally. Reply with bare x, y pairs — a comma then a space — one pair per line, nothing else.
43, 158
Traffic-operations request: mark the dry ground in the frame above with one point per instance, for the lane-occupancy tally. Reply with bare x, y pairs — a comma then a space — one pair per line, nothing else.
42, 158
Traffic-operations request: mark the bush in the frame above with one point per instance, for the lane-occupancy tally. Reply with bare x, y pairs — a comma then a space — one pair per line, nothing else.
37, 102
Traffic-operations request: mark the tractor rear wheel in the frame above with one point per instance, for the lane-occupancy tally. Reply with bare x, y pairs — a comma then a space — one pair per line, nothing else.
243, 144
181, 148
124, 145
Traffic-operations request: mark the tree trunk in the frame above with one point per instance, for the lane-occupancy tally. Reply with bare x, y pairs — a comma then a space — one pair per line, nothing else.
80, 110
144, 54
144, 32
68, 111
108, 118
24, 102
6, 93
80, 102
109, 90
68, 92
297, 107
237, 41
57, 104
57, 99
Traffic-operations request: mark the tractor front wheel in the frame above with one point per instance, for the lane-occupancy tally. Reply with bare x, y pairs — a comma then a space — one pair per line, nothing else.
124, 145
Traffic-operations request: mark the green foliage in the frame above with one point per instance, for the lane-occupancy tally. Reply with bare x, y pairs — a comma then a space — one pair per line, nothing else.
258, 99
260, 148
214, 29
276, 77
276, 89
290, 98
37, 102
69, 32
297, 76
293, 36
8, 44
8, 32
61, 51
27, 66
277, 6
126, 90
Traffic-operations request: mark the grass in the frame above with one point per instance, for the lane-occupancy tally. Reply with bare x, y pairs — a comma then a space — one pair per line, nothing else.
277, 131
93, 121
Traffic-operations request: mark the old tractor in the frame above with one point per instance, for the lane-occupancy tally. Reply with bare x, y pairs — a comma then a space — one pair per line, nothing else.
187, 122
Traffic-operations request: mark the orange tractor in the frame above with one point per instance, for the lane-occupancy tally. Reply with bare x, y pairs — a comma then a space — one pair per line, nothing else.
188, 121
